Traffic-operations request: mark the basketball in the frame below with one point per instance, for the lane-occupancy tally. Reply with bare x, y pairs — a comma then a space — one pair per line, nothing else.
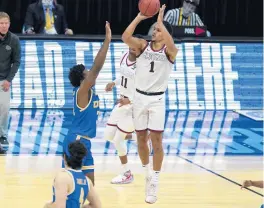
149, 7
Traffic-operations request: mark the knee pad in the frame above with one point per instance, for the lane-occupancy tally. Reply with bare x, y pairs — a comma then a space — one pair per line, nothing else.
109, 133
120, 143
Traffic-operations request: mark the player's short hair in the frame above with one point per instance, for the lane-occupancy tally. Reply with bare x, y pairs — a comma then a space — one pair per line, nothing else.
4, 15
76, 75
168, 27
75, 154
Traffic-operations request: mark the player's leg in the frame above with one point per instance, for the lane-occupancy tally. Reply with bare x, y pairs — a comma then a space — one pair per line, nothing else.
131, 136
109, 133
140, 118
125, 127
143, 148
111, 126
69, 138
120, 144
88, 161
156, 128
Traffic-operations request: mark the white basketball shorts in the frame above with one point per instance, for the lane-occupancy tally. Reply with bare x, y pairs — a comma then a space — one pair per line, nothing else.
121, 117
149, 112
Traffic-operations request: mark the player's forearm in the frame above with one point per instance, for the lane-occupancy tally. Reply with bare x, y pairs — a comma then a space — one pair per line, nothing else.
128, 33
258, 184
169, 42
100, 58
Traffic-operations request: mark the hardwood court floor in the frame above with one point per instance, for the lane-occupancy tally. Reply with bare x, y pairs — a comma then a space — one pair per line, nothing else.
198, 145
26, 182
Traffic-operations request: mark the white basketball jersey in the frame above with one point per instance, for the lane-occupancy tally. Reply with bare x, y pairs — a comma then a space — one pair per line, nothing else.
153, 70
127, 77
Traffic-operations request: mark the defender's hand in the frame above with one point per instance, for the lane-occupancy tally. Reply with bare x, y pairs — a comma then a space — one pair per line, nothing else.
108, 32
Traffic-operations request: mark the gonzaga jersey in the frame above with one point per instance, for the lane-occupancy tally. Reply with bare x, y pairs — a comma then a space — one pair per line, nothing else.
84, 119
78, 195
127, 75
153, 70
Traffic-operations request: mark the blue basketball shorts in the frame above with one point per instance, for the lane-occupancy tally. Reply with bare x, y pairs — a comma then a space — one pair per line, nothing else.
88, 161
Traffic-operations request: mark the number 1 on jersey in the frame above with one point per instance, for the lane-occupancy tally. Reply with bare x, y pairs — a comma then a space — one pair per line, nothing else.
81, 200
151, 66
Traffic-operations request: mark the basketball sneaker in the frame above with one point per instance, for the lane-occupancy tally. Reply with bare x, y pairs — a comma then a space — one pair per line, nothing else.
124, 178
147, 180
152, 191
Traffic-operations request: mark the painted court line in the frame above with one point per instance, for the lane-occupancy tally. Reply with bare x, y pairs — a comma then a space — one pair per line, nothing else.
208, 170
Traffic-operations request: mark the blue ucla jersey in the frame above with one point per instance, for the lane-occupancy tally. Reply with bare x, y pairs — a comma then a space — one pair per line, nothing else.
84, 119
78, 195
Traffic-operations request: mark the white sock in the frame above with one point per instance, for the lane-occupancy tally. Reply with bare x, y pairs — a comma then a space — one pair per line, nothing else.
155, 176
146, 169
125, 168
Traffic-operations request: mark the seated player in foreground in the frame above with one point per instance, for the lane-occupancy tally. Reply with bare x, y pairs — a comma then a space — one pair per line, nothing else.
71, 187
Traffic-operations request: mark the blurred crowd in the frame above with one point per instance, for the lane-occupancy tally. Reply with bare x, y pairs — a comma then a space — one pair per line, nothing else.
48, 17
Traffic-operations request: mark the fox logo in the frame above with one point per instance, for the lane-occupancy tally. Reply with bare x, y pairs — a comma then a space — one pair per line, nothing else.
189, 31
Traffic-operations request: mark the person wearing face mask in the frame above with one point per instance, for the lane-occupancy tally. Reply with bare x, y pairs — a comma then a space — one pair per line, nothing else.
10, 54
46, 17
184, 16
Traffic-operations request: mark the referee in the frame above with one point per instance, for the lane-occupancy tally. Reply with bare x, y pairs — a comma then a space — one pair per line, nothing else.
184, 16
9, 64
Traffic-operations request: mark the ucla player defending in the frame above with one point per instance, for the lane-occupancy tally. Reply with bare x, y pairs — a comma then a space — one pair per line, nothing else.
86, 104
154, 66
120, 123
71, 188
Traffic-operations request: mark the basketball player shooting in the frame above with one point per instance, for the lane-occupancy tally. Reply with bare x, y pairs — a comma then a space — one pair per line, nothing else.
154, 65
86, 104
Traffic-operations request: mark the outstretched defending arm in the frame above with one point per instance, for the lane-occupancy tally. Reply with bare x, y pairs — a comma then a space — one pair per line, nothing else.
92, 74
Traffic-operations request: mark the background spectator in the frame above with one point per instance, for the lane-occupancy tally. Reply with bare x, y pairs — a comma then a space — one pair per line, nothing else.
184, 16
9, 64
46, 17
